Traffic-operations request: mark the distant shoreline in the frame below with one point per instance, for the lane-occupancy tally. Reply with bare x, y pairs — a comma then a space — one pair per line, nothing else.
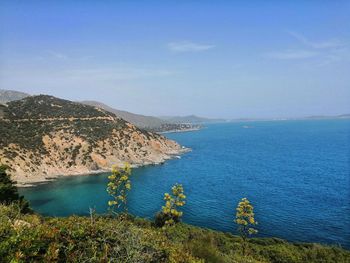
184, 130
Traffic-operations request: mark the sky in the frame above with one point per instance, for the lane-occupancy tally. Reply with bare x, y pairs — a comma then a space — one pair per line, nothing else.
227, 59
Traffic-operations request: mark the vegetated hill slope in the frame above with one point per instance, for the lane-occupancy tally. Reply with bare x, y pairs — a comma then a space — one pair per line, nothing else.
141, 121
43, 136
11, 95
32, 238
148, 123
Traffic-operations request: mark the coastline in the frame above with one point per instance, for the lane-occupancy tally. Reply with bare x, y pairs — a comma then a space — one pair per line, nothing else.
52, 177
184, 130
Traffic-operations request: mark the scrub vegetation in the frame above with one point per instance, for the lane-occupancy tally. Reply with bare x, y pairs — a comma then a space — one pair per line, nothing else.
33, 238
44, 137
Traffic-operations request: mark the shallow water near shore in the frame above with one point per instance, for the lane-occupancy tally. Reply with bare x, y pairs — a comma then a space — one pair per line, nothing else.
295, 173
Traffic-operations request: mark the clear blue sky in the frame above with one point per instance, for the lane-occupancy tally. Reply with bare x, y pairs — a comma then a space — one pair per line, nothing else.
226, 59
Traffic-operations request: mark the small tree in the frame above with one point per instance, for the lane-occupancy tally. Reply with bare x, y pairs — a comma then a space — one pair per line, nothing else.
9, 193
245, 220
170, 214
118, 187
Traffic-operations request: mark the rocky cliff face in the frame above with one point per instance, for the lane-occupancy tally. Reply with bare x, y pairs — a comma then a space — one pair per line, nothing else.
43, 137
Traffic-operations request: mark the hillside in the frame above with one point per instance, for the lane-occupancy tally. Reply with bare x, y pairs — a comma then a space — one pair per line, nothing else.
189, 119
148, 123
141, 121
11, 95
43, 137
32, 238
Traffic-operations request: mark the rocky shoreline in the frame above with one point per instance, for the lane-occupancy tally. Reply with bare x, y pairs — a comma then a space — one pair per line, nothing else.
35, 181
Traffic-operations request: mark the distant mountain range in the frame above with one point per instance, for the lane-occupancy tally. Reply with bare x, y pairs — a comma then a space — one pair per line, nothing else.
341, 116
148, 123
190, 119
157, 124
141, 121
315, 117
11, 95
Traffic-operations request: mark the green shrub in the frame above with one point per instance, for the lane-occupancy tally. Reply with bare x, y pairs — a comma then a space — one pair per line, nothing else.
204, 249
9, 193
32, 238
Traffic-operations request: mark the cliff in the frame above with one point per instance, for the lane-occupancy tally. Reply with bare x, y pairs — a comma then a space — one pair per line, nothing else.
43, 137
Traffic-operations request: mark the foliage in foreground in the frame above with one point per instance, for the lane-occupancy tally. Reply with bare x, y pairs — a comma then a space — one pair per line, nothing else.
245, 221
245, 218
32, 238
118, 187
9, 193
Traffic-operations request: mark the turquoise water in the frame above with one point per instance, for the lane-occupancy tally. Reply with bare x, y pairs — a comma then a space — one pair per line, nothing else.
296, 174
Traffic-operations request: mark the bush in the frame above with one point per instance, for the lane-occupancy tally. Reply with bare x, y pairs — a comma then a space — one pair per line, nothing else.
32, 238
203, 249
161, 218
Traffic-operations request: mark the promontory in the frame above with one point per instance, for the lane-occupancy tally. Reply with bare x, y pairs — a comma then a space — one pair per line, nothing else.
42, 137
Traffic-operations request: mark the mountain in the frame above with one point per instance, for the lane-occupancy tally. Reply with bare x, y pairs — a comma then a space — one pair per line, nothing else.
43, 136
148, 123
342, 116
141, 121
189, 119
11, 95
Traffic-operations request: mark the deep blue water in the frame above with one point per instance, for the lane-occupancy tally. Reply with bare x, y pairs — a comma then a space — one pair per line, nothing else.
296, 174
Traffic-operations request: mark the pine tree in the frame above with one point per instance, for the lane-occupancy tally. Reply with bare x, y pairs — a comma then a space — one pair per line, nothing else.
9, 193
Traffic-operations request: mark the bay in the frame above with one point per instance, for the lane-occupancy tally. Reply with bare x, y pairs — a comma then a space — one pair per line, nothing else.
295, 173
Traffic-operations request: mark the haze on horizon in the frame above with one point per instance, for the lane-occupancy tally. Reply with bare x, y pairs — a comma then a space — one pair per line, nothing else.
262, 59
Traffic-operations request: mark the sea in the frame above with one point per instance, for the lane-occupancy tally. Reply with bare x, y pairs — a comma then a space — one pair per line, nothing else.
294, 172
